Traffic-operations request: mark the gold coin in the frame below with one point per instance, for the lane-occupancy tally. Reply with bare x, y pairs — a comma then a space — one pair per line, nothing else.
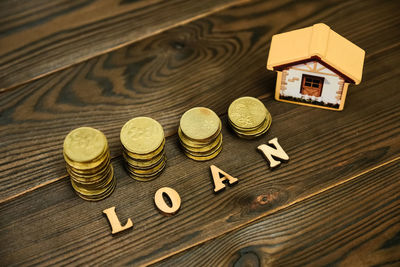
198, 143
247, 112
146, 156
262, 128
254, 132
244, 129
204, 153
91, 180
241, 129
89, 167
107, 193
92, 190
104, 194
84, 144
197, 158
142, 135
96, 186
89, 174
262, 131
203, 148
151, 171
82, 190
199, 123
146, 177
144, 164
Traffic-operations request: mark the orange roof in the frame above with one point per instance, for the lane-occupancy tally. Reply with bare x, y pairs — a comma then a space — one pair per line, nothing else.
317, 41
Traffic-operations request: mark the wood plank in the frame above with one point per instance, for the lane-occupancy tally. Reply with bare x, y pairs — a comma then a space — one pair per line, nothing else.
354, 224
161, 77
51, 225
40, 37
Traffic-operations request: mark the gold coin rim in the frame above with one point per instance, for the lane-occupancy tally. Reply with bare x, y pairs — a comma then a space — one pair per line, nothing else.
241, 129
93, 179
144, 165
204, 158
256, 135
134, 150
91, 167
187, 117
78, 158
86, 192
98, 198
236, 101
206, 153
198, 143
262, 128
147, 176
204, 148
146, 156
151, 171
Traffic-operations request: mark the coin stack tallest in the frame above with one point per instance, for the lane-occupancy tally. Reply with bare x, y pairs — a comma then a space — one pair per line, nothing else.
87, 156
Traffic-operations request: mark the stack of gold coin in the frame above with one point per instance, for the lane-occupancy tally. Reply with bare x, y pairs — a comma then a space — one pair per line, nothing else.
143, 143
249, 117
87, 156
200, 134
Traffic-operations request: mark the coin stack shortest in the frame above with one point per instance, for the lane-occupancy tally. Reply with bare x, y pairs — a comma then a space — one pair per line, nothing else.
87, 156
249, 117
143, 143
200, 134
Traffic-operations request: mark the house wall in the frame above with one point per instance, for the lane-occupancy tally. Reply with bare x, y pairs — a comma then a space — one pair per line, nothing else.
331, 90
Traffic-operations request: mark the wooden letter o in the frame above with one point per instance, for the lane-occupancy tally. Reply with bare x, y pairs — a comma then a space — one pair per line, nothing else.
164, 207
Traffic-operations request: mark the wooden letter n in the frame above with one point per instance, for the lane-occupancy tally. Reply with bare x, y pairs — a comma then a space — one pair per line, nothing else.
270, 152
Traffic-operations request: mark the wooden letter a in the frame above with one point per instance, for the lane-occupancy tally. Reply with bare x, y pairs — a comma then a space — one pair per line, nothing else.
114, 221
218, 181
277, 152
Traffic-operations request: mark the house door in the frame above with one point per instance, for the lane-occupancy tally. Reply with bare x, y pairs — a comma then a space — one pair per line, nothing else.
311, 85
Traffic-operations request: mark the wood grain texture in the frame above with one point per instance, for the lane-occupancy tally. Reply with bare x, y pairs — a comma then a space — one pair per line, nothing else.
162, 76
354, 224
51, 225
39, 37
193, 65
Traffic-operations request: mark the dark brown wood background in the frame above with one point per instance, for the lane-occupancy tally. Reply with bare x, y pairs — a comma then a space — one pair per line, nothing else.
65, 64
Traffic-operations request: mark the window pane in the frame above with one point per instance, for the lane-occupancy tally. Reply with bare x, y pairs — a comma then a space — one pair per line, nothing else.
308, 84
316, 81
308, 80
315, 85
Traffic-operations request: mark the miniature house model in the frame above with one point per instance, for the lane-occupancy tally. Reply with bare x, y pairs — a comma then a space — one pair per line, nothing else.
315, 65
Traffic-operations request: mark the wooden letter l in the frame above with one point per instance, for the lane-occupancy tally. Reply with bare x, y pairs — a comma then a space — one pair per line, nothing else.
116, 226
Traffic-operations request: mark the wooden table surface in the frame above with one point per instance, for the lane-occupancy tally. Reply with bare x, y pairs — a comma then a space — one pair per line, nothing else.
66, 64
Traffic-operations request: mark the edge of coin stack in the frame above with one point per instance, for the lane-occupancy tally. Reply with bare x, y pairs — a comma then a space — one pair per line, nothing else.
87, 158
143, 144
248, 117
200, 134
